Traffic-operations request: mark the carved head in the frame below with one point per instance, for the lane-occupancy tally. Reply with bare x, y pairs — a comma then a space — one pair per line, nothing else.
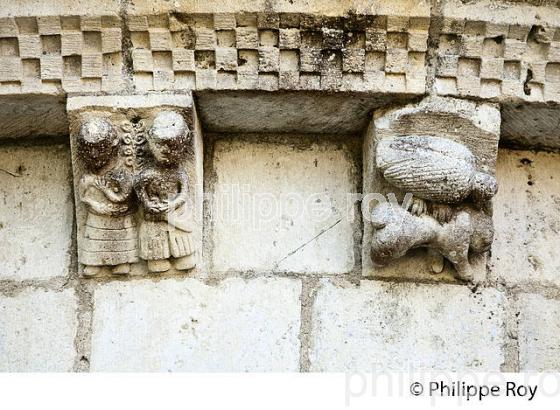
396, 231
484, 187
97, 142
168, 138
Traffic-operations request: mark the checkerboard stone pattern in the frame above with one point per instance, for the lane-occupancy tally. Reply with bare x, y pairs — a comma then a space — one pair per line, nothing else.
60, 54
279, 51
498, 61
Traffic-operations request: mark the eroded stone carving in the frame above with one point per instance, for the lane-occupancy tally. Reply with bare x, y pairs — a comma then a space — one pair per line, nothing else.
448, 168
132, 170
162, 189
437, 171
110, 237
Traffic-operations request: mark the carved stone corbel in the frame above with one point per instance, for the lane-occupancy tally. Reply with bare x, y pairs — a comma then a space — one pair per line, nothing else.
433, 167
137, 163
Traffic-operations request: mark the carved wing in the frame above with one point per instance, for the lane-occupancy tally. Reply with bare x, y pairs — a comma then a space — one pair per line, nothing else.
432, 168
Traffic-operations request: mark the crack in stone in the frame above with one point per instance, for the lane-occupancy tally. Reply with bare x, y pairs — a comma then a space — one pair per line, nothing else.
323, 231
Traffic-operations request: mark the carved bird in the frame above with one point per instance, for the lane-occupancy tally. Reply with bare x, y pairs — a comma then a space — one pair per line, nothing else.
433, 169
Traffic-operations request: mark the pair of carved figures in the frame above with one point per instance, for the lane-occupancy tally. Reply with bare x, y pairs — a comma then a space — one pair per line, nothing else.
450, 212
125, 168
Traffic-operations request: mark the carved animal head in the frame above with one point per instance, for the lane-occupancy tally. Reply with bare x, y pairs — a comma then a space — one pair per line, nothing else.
396, 231
97, 142
168, 138
484, 187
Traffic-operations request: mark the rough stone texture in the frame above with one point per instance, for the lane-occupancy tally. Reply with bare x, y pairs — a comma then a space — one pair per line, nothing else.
60, 53
376, 53
24, 8
406, 326
527, 218
282, 112
530, 125
283, 207
474, 125
37, 330
538, 333
328, 7
505, 53
489, 49
32, 116
174, 325
36, 213
122, 112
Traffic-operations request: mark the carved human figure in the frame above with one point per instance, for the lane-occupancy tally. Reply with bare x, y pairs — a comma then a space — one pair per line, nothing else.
162, 189
396, 231
437, 171
106, 188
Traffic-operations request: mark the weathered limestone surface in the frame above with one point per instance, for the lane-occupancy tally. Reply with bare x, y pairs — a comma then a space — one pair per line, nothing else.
137, 164
37, 330
539, 330
33, 116
429, 147
29, 8
326, 7
504, 52
61, 53
186, 325
386, 326
283, 88
527, 219
278, 51
36, 212
283, 207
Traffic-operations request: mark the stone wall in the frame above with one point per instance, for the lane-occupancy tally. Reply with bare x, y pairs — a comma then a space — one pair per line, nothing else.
286, 101
310, 312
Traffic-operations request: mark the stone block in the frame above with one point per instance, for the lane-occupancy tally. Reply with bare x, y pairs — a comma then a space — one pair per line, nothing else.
37, 331
51, 67
375, 40
36, 214
283, 207
183, 60
417, 41
92, 65
396, 60
269, 59
447, 66
289, 38
205, 39
381, 326
492, 68
472, 141
10, 69
160, 39
128, 221
224, 21
247, 37
60, 8
111, 40
538, 333
226, 59
30, 45
527, 218
185, 325
143, 60
310, 60
353, 60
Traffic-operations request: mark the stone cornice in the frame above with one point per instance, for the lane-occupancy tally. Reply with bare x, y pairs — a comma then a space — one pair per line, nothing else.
504, 52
